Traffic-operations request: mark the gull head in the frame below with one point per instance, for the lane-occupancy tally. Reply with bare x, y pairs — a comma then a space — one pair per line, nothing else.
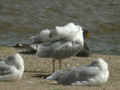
100, 63
71, 32
17, 57
16, 60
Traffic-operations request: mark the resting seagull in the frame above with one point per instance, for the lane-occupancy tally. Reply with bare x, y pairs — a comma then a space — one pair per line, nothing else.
12, 68
65, 41
95, 73
47, 35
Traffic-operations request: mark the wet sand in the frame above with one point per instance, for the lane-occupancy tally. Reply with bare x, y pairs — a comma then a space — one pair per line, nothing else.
37, 68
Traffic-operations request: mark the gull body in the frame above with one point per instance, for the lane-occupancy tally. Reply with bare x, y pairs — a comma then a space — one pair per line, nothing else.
66, 32
65, 41
12, 68
96, 73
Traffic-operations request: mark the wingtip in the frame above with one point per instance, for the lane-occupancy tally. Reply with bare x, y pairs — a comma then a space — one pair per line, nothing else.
16, 54
49, 77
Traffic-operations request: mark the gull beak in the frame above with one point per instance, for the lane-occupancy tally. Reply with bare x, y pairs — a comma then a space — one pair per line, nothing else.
88, 35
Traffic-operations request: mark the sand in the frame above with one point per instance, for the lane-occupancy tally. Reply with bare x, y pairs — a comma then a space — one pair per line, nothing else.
37, 68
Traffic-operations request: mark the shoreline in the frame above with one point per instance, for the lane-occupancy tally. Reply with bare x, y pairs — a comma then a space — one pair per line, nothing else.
42, 66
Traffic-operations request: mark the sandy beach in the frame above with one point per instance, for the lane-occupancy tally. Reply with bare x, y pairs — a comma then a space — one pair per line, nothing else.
37, 68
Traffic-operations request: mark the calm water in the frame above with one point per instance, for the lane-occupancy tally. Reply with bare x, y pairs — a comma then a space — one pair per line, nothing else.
20, 19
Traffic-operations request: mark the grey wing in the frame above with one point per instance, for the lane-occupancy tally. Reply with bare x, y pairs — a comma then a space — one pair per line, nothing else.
58, 49
85, 73
67, 77
65, 49
44, 50
5, 70
47, 49
62, 76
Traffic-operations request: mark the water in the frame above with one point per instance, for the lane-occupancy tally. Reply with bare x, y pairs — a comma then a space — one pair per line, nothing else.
20, 19
107, 43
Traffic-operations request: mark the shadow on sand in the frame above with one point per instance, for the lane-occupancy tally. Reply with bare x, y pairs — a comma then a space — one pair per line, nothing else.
39, 74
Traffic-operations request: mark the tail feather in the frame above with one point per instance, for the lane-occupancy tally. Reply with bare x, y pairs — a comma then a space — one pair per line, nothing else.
50, 77
54, 76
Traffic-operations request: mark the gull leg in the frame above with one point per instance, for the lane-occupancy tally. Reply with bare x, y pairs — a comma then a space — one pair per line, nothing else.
60, 64
53, 67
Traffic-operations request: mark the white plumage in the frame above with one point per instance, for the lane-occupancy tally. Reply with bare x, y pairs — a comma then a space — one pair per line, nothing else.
12, 68
68, 31
44, 36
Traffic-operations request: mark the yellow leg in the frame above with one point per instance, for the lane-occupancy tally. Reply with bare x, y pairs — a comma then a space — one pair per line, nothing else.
60, 64
53, 67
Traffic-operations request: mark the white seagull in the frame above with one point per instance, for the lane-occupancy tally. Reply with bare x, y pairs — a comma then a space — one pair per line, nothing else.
63, 42
12, 68
47, 35
95, 73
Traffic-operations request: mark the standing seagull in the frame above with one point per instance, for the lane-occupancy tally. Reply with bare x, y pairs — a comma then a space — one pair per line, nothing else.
47, 35
95, 73
12, 68
65, 41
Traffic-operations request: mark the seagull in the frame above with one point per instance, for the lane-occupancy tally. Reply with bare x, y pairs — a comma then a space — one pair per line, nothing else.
47, 35
96, 73
65, 41
12, 68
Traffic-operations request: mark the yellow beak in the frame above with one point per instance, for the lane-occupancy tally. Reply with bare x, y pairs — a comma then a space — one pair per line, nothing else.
88, 35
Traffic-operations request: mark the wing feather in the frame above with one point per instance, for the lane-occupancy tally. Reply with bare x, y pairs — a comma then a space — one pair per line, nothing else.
5, 70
